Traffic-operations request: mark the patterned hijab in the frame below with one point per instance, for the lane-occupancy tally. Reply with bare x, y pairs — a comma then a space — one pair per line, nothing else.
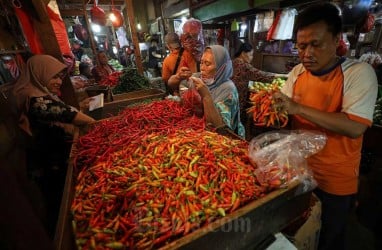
223, 63
40, 69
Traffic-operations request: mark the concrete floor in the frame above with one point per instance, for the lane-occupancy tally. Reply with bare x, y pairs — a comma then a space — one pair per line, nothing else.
365, 227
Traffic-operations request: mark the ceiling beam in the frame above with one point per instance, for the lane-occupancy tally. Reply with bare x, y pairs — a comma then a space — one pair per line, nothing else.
72, 12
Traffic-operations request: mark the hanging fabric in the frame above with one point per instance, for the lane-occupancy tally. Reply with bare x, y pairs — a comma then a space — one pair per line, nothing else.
259, 23
284, 28
341, 48
122, 37
30, 33
234, 25
272, 29
79, 30
368, 23
60, 31
11, 65
263, 21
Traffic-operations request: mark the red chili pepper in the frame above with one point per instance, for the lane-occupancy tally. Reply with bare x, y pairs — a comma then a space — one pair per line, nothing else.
161, 182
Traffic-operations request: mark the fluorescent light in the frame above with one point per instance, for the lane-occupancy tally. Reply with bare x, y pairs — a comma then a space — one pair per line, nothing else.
96, 28
139, 27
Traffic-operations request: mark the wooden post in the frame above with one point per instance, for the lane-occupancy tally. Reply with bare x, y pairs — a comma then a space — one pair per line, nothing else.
134, 36
91, 35
45, 31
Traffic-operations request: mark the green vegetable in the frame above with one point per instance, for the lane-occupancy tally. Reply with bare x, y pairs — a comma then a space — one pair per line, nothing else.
131, 80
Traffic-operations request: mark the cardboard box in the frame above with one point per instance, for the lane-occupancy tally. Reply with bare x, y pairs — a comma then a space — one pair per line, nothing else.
306, 236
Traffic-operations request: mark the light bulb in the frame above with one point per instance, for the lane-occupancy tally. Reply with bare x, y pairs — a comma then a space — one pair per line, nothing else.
112, 17
115, 50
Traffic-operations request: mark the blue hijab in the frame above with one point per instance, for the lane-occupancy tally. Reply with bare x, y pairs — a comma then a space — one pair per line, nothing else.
223, 90
224, 69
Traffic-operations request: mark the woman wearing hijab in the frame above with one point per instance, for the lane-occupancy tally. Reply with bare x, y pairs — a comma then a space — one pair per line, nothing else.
218, 92
103, 69
37, 92
48, 121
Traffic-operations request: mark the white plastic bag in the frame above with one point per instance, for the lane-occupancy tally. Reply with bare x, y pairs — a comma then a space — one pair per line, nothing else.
280, 157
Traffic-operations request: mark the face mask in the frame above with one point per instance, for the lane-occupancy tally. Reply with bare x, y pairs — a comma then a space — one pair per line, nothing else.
208, 81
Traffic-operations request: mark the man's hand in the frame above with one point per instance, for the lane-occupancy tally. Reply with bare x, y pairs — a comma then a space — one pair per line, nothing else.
284, 103
184, 73
336, 122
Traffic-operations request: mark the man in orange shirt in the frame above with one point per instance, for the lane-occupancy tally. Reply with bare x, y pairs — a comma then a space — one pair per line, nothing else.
177, 59
335, 95
193, 44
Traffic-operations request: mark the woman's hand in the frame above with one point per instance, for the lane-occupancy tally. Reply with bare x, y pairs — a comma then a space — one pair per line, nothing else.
284, 103
84, 104
78, 82
285, 76
184, 73
201, 87
68, 128
211, 113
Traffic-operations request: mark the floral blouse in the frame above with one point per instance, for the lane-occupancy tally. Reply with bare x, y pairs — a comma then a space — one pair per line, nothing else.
45, 110
229, 110
244, 72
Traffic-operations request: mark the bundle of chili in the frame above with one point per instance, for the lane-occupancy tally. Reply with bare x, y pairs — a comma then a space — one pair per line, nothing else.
263, 110
111, 80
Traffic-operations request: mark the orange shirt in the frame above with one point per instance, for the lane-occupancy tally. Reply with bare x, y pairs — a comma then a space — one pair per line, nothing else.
350, 88
169, 62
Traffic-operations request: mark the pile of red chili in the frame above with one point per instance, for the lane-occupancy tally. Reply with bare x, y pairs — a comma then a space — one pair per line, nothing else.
160, 188
132, 124
111, 80
153, 174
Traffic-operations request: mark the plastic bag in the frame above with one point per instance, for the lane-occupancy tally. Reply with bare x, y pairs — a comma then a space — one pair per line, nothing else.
192, 100
281, 156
